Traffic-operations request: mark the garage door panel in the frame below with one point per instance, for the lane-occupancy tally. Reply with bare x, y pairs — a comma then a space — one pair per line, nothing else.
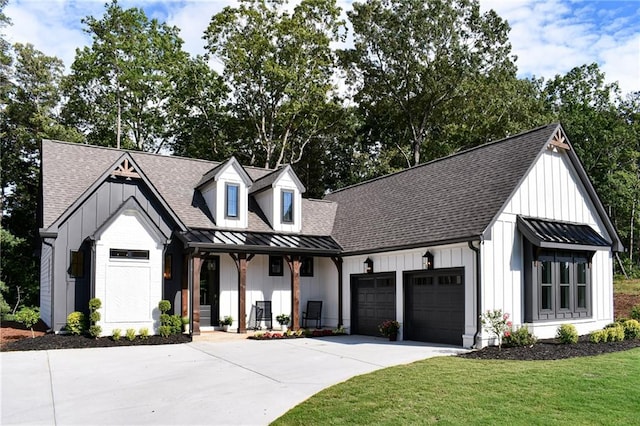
434, 303
373, 301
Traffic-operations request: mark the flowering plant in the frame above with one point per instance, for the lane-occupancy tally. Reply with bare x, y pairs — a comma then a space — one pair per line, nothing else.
389, 327
497, 323
283, 319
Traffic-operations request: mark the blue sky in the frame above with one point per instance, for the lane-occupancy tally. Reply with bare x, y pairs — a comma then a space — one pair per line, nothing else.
549, 37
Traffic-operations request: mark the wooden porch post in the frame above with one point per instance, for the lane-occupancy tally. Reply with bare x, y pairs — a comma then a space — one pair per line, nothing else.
241, 260
195, 297
184, 293
294, 265
338, 262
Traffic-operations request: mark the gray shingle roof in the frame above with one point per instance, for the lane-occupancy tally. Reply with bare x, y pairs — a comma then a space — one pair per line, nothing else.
69, 169
451, 199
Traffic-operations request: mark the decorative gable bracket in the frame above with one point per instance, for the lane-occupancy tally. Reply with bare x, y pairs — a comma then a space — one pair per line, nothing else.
126, 170
558, 141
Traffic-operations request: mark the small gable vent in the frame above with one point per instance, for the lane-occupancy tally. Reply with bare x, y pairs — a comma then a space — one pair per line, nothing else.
558, 141
126, 170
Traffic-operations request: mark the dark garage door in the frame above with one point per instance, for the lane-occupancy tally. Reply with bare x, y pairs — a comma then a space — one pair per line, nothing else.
373, 300
434, 306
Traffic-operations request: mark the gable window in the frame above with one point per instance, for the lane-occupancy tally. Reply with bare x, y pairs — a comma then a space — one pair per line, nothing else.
76, 268
276, 266
560, 286
129, 254
232, 201
287, 206
306, 268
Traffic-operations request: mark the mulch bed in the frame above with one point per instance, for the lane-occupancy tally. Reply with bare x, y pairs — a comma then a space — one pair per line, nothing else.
67, 341
551, 349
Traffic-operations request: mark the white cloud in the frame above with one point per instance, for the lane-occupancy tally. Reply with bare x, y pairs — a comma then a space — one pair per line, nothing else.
549, 37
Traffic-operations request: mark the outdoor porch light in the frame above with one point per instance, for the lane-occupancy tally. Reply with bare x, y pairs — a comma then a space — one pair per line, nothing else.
368, 266
427, 260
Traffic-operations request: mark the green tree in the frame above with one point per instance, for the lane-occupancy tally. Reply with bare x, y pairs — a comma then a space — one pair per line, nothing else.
413, 61
278, 66
199, 125
29, 115
118, 87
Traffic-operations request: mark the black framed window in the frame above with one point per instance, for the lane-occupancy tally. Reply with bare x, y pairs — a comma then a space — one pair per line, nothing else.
129, 254
276, 266
76, 266
232, 201
306, 267
287, 206
562, 286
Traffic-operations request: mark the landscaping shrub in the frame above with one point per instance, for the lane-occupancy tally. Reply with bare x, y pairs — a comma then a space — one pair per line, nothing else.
164, 306
116, 334
598, 336
631, 329
76, 323
519, 337
144, 333
29, 317
94, 316
164, 330
567, 334
131, 334
635, 313
615, 332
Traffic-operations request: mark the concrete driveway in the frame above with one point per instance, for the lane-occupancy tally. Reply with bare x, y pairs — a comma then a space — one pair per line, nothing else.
200, 383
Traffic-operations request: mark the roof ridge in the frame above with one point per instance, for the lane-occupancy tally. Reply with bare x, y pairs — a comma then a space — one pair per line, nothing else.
446, 157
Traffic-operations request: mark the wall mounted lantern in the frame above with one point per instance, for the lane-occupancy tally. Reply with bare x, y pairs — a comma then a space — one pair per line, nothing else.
368, 266
427, 260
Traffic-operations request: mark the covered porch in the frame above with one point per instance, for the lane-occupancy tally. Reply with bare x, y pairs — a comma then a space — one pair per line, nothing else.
225, 273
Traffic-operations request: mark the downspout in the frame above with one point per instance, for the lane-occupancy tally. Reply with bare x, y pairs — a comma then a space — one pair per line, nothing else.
51, 282
478, 291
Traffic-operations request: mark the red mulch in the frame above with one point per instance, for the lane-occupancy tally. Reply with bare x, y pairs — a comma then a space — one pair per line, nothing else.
622, 304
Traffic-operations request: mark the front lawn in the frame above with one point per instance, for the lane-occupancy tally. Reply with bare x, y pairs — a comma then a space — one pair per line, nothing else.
591, 390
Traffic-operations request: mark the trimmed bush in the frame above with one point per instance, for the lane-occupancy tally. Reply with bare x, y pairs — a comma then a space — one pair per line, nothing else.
164, 306
615, 332
94, 317
567, 334
95, 331
635, 313
131, 334
95, 304
519, 337
631, 329
164, 330
76, 324
116, 334
144, 333
29, 317
598, 336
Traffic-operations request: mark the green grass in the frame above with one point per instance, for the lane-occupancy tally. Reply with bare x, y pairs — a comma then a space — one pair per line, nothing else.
449, 390
626, 286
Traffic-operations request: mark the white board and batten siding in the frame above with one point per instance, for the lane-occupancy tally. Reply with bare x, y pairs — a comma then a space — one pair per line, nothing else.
398, 262
552, 190
129, 289
277, 289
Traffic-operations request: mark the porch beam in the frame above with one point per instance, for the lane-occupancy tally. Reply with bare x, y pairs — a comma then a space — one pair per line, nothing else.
294, 265
338, 262
184, 293
196, 263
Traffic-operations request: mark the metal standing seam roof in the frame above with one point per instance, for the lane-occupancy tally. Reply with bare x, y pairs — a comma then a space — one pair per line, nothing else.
259, 242
561, 235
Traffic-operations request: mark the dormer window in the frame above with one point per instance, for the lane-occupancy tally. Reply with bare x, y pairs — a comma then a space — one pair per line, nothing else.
287, 206
232, 200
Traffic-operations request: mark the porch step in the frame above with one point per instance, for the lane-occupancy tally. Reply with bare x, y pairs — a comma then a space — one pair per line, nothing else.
220, 336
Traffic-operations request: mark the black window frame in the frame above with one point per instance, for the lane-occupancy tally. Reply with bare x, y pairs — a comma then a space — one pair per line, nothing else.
128, 254
76, 263
227, 186
564, 297
284, 216
276, 266
306, 266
